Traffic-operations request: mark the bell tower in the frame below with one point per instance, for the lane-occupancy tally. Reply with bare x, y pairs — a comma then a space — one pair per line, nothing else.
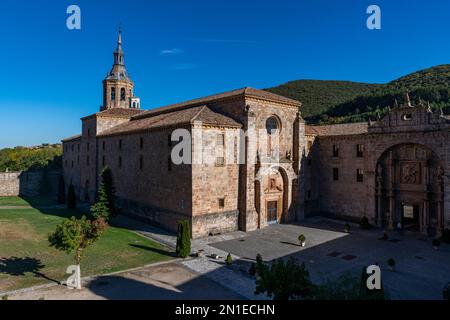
118, 86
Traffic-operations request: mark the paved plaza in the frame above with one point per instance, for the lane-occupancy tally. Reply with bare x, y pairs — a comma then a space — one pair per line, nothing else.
421, 271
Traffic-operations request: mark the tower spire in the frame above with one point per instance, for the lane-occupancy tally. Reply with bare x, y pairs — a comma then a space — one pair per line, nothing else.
118, 86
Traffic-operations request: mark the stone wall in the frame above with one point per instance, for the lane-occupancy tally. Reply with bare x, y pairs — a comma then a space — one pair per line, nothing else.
27, 183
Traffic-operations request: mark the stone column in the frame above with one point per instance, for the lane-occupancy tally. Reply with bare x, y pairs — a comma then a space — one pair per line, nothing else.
247, 211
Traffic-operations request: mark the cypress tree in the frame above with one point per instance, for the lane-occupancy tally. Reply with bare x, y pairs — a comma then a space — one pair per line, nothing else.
183, 249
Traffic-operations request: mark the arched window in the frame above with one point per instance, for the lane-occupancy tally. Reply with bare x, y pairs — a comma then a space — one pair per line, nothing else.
122, 94
134, 104
273, 128
113, 94
272, 125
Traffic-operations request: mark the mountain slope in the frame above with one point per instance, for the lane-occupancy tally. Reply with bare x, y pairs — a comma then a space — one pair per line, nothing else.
344, 101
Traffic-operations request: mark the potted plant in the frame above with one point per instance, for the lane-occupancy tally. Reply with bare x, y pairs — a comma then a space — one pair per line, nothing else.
347, 228
364, 223
391, 264
302, 240
229, 260
200, 253
436, 243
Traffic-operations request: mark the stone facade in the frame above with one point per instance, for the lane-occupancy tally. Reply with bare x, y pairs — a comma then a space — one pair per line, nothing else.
253, 162
394, 171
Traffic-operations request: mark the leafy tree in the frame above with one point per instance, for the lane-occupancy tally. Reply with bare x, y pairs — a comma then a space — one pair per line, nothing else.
74, 235
71, 197
283, 280
183, 248
22, 159
61, 191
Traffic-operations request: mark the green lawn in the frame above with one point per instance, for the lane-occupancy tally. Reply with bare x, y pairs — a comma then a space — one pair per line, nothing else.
26, 258
20, 201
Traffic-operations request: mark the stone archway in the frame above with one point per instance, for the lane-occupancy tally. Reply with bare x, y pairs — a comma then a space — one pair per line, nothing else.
272, 196
409, 189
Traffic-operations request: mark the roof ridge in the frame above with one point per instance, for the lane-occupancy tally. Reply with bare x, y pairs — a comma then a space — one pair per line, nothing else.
198, 113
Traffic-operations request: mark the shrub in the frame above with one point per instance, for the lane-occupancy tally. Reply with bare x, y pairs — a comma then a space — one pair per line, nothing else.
391, 263
71, 197
283, 280
183, 249
446, 236
436, 243
61, 191
301, 238
347, 228
5, 297
364, 224
229, 260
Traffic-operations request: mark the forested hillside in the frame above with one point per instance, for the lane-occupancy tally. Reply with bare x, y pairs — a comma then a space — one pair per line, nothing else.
342, 101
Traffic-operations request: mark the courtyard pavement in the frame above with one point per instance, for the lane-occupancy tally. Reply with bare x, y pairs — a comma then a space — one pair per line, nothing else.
421, 271
170, 281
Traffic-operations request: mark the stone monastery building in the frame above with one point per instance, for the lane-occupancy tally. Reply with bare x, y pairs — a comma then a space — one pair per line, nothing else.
395, 171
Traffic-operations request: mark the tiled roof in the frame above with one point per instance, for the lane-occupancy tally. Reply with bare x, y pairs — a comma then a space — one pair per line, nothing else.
338, 129
77, 137
117, 113
249, 92
175, 118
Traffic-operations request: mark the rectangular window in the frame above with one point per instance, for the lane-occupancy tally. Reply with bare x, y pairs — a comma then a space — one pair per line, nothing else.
120, 144
78, 147
103, 161
89, 132
169, 140
72, 147
220, 161
359, 151
336, 174
88, 146
65, 163
87, 160
120, 162
141, 143
141, 162
220, 140
169, 163
359, 175
222, 203
103, 145
309, 194
72, 164
309, 162
78, 160
335, 151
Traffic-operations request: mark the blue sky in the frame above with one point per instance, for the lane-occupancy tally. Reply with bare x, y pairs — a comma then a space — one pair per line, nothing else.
178, 50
